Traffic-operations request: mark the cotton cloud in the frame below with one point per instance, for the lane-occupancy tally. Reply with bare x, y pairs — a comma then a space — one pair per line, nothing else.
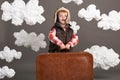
30, 40
106, 22
18, 11
78, 2
110, 21
74, 26
103, 57
5, 71
33, 13
90, 13
9, 55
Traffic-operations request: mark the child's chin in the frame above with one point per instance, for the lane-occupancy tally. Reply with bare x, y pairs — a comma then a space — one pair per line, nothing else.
63, 23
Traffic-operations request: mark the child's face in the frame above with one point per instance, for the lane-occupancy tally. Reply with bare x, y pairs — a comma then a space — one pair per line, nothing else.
62, 16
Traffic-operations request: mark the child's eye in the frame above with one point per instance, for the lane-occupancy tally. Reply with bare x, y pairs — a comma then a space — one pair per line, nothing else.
65, 16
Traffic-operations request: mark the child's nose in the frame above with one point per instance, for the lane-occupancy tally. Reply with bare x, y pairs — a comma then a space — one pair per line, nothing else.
64, 17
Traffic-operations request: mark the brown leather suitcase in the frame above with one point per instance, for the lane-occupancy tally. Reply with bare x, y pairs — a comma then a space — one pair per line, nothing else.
64, 66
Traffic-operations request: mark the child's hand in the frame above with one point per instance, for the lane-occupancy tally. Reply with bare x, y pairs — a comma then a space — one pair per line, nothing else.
67, 46
62, 46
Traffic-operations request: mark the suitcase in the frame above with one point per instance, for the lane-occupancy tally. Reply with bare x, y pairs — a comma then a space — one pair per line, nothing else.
64, 66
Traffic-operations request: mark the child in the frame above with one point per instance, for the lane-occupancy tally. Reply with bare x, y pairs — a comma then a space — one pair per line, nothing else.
61, 36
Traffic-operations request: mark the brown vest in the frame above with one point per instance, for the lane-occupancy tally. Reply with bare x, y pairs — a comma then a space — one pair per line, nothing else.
64, 36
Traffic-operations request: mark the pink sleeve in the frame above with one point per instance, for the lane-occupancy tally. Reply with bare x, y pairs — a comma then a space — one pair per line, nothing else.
74, 41
53, 38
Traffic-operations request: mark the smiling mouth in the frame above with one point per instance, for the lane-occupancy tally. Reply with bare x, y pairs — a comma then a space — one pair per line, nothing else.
63, 20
